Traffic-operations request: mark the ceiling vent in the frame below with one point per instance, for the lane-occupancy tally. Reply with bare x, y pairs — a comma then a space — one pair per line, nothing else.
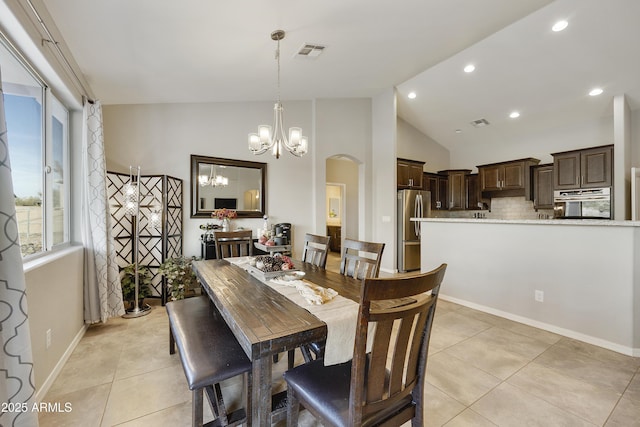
309, 50
480, 123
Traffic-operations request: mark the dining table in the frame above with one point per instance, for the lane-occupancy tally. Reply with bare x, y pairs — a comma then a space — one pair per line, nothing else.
266, 323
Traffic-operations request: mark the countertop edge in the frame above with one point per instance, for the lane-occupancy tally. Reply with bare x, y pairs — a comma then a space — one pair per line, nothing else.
580, 222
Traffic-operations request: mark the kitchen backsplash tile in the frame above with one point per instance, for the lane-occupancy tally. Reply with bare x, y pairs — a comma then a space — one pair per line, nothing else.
501, 208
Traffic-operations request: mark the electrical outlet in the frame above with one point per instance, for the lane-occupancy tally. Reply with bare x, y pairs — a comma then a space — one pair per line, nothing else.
48, 338
539, 296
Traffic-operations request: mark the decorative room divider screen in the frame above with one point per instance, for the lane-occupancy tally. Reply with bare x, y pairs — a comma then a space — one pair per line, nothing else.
156, 244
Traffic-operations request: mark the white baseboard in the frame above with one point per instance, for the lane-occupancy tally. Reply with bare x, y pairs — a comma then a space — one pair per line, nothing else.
629, 351
42, 392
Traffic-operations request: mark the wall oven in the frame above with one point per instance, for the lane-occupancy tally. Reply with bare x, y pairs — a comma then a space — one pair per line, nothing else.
592, 203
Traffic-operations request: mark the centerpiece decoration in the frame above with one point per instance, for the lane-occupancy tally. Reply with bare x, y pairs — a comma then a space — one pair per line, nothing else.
225, 215
268, 263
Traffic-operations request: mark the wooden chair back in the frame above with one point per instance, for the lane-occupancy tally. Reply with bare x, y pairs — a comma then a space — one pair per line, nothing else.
233, 243
315, 249
390, 379
361, 260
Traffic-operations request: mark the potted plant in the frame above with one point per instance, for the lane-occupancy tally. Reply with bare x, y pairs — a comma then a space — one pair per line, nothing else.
181, 280
128, 284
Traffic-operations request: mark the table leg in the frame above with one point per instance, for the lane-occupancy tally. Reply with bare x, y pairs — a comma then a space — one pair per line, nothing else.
261, 391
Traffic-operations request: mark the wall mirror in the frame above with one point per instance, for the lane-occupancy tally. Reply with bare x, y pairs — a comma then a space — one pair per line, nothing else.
218, 183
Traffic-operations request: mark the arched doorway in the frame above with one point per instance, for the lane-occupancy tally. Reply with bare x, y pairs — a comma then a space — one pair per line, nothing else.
342, 210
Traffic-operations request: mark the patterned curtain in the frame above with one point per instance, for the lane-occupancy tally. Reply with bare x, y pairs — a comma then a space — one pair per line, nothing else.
102, 292
16, 363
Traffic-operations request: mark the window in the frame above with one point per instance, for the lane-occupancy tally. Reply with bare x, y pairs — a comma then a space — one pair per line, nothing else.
37, 132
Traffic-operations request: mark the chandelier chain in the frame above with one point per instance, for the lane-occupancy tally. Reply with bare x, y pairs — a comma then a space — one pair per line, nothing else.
278, 59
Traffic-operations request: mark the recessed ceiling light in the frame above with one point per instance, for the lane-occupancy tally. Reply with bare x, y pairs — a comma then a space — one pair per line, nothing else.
458, 130
469, 68
514, 115
596, 91
412, 95
559, 26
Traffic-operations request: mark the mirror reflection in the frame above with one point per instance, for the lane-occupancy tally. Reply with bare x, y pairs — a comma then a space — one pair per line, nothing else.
218, 183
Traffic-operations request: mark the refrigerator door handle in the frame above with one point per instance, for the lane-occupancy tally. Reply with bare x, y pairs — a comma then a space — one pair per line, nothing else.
418, 214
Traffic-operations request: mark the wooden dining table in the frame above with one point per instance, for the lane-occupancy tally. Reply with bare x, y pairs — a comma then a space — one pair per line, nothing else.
266, 323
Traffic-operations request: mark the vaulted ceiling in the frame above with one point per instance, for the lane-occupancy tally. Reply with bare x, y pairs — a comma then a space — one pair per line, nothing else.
150, 51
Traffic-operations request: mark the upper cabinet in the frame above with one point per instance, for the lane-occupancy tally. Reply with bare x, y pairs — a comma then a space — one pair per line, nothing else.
543, 186
506, 179
586, 168
438, 186
409, 174
473, 192
457, 188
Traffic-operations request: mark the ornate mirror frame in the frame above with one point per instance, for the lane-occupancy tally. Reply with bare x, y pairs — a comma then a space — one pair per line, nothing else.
200, 211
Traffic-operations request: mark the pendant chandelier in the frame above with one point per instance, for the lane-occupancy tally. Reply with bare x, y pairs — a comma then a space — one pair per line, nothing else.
213, 179
265, 139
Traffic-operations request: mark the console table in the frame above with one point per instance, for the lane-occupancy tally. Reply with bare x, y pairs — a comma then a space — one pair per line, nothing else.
208, 249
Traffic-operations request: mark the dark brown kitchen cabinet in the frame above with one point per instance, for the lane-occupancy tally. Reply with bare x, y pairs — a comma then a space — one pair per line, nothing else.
438, 186
473, 191
409, 174
456, 188
585, 168
506, 179
543, 186
335, 241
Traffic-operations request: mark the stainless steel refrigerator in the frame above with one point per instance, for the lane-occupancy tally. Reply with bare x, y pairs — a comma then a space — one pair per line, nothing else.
411, 204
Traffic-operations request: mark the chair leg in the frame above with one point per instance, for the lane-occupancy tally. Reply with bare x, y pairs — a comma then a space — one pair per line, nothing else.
172, 342
214, 393
291, 358
196, 408
293, 408
306, 353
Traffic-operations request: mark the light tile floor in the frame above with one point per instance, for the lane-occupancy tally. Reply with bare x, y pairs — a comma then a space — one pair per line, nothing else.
483, 370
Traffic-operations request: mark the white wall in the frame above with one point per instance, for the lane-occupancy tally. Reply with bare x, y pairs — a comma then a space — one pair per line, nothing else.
384, 177
55, 301
342, 128
538, 145
414, 145
161, 137
588, 293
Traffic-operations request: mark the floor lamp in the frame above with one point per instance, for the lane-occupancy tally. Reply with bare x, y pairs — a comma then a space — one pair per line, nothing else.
132, 199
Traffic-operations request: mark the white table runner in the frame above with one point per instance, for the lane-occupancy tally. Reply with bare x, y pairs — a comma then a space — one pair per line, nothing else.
340, 314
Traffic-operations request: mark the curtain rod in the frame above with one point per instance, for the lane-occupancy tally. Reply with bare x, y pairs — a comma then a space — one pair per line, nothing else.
51, 40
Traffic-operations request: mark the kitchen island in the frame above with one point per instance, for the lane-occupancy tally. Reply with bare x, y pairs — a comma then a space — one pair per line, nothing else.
587, 273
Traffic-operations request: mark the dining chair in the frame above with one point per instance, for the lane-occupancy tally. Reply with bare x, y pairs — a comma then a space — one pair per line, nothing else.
360, 259
315, 249
233, 243
314, 252
382, 385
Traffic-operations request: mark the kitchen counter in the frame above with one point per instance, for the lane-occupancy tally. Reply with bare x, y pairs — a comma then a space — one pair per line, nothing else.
598, 222
588, 272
